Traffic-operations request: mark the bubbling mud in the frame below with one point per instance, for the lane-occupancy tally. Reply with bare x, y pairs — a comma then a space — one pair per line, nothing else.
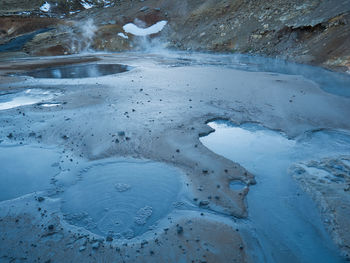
122, 199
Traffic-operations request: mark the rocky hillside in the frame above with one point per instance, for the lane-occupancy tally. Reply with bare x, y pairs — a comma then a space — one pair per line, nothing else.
312, 31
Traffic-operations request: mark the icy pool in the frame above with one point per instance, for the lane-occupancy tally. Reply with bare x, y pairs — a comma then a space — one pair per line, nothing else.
286, 220
78, 71
26, 169
122, 199
24, 98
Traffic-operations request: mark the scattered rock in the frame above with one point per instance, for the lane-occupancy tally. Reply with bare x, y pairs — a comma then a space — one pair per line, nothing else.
121, 133
82, 248
144, 9
179, 229
95, 245
204, 203
41, 199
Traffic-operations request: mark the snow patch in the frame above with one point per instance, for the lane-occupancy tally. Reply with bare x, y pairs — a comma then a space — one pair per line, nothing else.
123, 35
86, 5
137, 31
45, 7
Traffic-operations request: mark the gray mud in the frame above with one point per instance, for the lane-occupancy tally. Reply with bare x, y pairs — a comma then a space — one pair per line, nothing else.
293, 226
157, 111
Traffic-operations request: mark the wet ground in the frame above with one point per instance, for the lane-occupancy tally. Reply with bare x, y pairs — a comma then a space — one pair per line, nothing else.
293, 223
122, 199
130, 169
26, 97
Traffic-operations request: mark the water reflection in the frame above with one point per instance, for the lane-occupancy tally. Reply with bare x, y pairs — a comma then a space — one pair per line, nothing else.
78, 71
24, 98
286, 220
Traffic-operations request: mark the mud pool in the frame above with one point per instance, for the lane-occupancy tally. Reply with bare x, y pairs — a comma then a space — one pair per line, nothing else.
112, 152
122, 199
26, 169
284, 217
78, 71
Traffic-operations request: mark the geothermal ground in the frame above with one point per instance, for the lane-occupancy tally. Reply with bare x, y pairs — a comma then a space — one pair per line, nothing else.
173, 157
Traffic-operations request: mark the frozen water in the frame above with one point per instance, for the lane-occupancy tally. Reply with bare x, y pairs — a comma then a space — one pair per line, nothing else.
286, 220
121, 198
25, 169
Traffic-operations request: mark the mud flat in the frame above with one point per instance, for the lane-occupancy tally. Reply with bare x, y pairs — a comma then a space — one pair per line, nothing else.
327, 181
156, 111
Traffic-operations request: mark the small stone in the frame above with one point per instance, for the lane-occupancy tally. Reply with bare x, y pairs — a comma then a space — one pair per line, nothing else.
95, 245
40, 198
109, 238
51, 227
179, 229
144, 9
82, 248
121, 133
204, 203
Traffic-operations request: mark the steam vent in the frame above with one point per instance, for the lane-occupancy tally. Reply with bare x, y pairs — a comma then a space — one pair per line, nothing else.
167, 131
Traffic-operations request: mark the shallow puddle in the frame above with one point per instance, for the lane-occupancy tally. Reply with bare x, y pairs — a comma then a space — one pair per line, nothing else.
24, 98
287, 222
78, 71
26, 169
237, 185
122, 199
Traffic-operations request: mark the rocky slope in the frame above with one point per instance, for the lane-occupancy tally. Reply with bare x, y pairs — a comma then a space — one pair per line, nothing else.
313, 31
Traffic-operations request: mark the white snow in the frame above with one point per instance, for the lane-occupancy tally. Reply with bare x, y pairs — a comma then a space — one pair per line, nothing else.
137, 31
123, 35
86, 5
45, 7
